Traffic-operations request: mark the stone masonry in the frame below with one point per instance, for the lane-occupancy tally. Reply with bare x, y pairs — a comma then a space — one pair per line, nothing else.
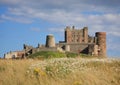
76, 41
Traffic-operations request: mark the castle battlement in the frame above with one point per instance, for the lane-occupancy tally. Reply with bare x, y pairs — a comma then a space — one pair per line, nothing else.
76, 40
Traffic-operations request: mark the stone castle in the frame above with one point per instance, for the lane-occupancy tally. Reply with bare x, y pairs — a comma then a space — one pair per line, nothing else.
76, 41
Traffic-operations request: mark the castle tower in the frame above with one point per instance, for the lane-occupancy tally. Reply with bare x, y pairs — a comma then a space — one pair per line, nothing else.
101, 42
73, 35
50, 41
68, 35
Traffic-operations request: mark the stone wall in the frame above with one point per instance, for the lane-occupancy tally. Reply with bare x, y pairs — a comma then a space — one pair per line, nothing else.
101, 42
93, 49
44, 49
68, 35
50, 41
75, 47
76, 40
14, 55
73, 35
85, 34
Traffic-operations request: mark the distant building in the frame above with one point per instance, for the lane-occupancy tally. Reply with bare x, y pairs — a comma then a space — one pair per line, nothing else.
76, 41
15, 55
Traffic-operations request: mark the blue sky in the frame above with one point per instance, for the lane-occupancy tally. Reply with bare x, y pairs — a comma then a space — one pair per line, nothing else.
29, 21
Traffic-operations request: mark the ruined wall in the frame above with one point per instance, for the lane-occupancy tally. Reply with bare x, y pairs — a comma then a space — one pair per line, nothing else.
27, 47
15, 54
20, 54
101, 42
10, 55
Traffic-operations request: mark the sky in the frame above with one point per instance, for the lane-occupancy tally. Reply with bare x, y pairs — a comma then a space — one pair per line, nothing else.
29, 21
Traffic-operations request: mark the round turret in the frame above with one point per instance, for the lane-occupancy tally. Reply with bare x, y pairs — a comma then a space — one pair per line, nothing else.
50, 41
101, 42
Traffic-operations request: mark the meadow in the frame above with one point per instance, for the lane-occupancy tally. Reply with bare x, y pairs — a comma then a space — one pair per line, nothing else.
60, 71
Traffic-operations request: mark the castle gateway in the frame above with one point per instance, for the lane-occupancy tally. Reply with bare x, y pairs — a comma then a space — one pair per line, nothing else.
76, 41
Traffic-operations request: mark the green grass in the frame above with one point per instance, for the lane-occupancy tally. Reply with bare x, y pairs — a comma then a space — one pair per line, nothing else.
47, 54
71, 55
51, 54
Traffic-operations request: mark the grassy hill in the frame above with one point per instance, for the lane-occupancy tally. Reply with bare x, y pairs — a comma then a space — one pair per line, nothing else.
51, 54
60, 71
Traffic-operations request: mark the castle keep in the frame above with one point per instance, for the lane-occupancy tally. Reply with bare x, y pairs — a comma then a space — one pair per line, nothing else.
76, 41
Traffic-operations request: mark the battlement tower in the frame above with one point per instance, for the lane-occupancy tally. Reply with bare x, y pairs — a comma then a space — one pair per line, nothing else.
73, 35
101, 42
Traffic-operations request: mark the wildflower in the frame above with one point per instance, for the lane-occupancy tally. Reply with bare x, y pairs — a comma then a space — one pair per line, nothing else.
36, 71
77, 83
39, 72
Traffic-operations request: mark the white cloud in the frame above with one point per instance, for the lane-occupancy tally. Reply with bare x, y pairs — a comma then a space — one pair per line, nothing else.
98, 15
101, 6
16, 19
114, 33
96, 22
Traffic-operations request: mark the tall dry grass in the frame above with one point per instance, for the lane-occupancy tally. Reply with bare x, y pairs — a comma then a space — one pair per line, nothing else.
61, 71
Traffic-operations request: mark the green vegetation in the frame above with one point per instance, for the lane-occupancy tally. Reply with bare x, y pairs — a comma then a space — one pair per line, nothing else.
71, 55
51, 54
47, 54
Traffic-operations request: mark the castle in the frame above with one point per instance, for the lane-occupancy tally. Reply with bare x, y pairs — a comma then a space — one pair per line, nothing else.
76, 41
